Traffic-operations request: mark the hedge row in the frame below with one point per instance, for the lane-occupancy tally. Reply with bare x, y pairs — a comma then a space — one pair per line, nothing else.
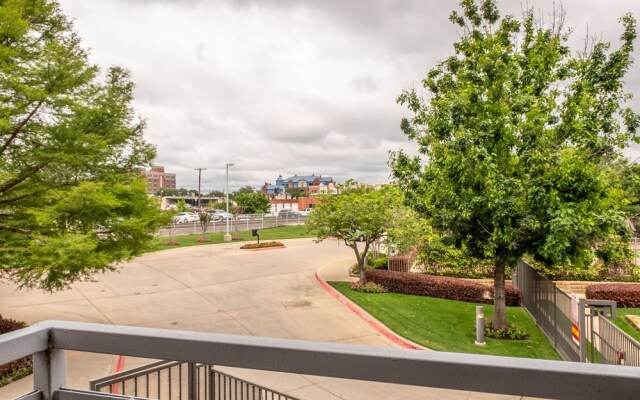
15, 367
440, 287
625, 294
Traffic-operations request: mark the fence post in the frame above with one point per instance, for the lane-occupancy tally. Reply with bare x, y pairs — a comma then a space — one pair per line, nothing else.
555, 317
583, 326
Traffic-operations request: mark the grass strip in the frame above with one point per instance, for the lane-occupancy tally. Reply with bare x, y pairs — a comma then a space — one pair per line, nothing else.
623, 323
448, 325
279, 233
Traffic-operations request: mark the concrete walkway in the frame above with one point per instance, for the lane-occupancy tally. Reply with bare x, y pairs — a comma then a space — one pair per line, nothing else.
219, 288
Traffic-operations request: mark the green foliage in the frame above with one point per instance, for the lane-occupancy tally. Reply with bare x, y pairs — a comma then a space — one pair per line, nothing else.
439, 256
253, 203
19, 368
181, 205
296, 193
368, 287
356, 213
509, 332
443, 325
244, 190
174, 192
72, 201
378, 262
521, 139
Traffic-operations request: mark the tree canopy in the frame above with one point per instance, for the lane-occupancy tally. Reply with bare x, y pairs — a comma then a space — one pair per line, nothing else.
518, 137
72, 200
253, 202
360, 214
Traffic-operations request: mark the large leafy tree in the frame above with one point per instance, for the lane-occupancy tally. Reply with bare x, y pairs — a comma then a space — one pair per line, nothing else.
518, 136
361, 214
72, 201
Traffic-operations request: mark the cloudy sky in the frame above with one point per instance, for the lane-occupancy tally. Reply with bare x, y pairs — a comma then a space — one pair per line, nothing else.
284, 86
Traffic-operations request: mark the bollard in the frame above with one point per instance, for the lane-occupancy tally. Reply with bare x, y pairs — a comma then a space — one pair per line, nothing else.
480, 326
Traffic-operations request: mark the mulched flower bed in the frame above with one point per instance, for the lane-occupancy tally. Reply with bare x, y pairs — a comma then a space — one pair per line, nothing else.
263, 245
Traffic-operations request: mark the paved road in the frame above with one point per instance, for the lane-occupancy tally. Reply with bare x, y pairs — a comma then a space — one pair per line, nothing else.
220, 288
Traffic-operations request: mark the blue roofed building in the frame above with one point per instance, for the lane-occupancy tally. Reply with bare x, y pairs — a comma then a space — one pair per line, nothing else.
312, 184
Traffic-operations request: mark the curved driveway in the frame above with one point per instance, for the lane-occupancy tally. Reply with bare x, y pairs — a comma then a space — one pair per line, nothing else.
220, 288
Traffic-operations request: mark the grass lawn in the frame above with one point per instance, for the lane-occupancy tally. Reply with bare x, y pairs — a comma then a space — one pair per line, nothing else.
267, 234
624, 324
448, 325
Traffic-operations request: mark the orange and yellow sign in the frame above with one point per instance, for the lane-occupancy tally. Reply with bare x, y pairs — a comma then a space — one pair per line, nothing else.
575, 332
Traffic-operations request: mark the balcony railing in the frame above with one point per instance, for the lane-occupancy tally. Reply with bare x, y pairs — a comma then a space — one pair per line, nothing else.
48, 341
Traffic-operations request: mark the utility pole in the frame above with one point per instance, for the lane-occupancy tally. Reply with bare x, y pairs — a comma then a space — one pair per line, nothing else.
199, 177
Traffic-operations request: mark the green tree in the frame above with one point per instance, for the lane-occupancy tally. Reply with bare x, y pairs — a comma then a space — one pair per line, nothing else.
72, 201
216, 193
181, 205
357, 213
253, 203
244, 190
296, 193
520, 136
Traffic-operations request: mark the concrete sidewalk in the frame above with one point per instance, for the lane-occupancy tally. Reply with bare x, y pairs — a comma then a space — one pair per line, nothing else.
220, 288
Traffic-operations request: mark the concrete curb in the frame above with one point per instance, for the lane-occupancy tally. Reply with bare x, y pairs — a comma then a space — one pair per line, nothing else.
377, 325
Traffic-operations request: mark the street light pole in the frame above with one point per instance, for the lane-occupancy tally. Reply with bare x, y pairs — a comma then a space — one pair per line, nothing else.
227, 237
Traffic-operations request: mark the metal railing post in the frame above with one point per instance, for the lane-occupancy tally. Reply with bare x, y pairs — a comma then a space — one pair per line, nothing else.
583, 326
49, 372
191, 380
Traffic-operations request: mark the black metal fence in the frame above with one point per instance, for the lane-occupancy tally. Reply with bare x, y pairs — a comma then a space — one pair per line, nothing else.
174, 380
551, 308
601, 340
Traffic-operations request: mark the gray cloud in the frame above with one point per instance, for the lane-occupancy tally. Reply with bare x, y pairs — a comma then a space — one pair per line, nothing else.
287, 86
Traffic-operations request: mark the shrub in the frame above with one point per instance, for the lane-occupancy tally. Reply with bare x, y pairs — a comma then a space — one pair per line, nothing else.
510, 332
369, 287
625, 294
262, 245
440, 287
18, 368
379, 262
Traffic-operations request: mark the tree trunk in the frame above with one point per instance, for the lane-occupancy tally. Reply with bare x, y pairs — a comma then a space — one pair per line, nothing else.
499, 305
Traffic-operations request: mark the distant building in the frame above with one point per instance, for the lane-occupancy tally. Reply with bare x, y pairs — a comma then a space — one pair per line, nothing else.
311, 184
157, 179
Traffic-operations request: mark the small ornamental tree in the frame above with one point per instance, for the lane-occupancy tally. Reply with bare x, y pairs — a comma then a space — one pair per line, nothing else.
357, 214
519, 137
204, 217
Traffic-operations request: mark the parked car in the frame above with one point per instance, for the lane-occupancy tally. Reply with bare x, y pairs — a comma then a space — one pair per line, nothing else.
305, 211
184, 217
220, 215
286, 213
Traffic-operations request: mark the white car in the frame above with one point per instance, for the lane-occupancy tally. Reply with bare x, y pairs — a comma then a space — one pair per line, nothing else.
221, 214
184, 217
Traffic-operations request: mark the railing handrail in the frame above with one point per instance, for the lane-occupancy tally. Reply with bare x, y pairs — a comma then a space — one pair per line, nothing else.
620, 331
492, 374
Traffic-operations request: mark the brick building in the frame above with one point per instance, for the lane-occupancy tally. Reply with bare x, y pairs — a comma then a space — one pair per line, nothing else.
158, 179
